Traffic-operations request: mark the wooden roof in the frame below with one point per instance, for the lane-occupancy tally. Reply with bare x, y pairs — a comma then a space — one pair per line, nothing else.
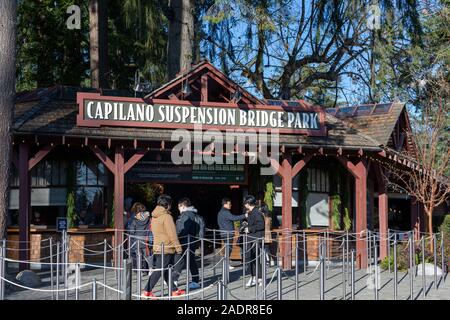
53, 111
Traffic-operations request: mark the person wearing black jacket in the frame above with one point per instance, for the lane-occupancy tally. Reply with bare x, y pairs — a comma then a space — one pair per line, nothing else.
188, 228
255, 232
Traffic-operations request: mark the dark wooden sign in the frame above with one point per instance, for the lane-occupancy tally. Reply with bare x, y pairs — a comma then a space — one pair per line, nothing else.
96, 110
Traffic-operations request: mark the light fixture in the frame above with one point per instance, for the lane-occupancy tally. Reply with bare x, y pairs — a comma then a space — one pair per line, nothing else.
237, 96
187, 90
137, 83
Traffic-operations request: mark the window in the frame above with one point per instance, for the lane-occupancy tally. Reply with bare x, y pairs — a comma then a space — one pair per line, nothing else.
48, 173
318, 180
91, 178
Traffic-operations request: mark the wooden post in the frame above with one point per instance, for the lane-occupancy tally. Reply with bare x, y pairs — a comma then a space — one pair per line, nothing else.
119, 188
286, 212
24, 205
359, 172
287, 172
361, 213
382, 211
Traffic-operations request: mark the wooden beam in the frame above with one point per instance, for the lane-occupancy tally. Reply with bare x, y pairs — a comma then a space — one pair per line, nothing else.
14, 158
204, 89
300, 165
173, 97
348, 165
39, 156
104, 159
134, 159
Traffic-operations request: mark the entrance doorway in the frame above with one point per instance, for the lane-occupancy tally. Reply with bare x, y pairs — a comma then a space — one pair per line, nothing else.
206, 198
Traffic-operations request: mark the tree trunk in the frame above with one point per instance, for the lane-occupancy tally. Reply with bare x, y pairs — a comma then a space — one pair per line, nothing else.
98, 42
8, 16
181, 36
429, 225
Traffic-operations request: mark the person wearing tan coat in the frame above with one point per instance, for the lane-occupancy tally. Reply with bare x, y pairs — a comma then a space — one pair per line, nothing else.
164, 232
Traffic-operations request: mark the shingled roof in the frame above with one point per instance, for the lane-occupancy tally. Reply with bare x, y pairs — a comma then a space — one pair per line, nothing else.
374, 120
53, 111
56, 115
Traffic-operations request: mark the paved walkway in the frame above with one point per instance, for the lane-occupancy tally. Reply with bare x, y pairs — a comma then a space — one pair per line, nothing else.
309, 286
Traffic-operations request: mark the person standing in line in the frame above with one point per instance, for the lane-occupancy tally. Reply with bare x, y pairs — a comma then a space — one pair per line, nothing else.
164, 232
268, 237
190, 227
225, 220
255, 232
139, 229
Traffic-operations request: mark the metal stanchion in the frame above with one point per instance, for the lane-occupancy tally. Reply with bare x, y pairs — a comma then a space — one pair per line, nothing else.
369, 248
129, 246
105, 247
162, 269
2, 275
322, 271
220, 290
202, 266
66, 263
327, 252
58, 253
305, 263
344, 284
188, 264
395, 269
127, 279
435, 261
442, 258
414, 252
411, 272
256, 268
51, 267
424, 291
169, 278
118, 266
139, 275
389, 250
375, 261
347, 254
214, 250
296, 267
94, 289
224, 268
279, 284
264, 273
77, 281
352, 274
244, 256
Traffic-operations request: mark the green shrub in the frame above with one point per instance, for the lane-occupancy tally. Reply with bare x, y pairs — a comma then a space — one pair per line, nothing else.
402, 258
347, 220
71, 210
